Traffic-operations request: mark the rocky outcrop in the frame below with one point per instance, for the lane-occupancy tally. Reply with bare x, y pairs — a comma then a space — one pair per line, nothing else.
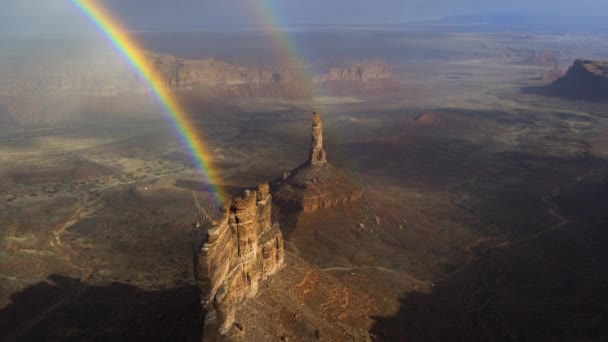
428, 118
318, 156
315, 184
360, 79
241, 250
356, 72
187, 74
585, 80
109, 78
553, 74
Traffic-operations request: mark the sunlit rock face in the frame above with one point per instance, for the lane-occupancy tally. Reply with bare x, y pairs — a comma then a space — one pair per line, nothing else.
243, 249
315, 184
318, 156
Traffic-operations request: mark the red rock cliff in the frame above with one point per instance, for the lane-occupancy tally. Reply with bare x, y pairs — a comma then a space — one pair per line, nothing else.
241, 250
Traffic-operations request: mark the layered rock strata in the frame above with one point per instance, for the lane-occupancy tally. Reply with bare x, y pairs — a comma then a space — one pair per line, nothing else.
241, 250
315, 184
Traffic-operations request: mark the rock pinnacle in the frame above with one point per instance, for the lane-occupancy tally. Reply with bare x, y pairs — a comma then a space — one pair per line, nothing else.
318, 156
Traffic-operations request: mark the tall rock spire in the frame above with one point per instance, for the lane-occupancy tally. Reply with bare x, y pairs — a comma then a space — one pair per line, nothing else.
314, 184
318, 156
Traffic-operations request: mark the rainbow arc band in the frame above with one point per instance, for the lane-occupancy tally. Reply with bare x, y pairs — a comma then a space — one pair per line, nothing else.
188, 133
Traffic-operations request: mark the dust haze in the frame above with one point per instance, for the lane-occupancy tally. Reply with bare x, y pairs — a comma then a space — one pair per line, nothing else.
458, 191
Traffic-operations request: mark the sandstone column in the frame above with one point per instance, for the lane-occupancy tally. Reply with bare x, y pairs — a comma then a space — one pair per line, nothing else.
317, 152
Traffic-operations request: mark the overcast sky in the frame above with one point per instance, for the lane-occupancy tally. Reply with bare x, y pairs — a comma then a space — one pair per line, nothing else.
59, 15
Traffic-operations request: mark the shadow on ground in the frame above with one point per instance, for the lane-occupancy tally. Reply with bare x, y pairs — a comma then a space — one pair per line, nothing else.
553, 288
568, 93
65, 309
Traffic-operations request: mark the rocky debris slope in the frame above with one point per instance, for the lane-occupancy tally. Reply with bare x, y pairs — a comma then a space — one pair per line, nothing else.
585, 80
240, 251
315, 184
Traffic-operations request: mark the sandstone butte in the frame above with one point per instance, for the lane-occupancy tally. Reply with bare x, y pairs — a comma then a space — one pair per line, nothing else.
316, 183
242, 249
245, 246
585, 80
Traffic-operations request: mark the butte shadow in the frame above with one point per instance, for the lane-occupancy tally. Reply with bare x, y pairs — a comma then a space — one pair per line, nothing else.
550, 286
585, 80
66, 309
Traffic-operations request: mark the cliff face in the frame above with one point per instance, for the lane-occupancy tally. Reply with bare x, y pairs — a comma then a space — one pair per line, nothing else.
358, 79
315, 184
241, 250
184, 74
356, 72
585, 80
108, 78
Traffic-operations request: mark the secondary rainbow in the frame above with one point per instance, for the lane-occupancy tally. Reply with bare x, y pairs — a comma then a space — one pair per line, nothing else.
268, 18
134, 54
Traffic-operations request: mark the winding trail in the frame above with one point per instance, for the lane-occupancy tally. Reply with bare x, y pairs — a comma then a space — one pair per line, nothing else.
349, 269
89, 208
552, 210
200, 208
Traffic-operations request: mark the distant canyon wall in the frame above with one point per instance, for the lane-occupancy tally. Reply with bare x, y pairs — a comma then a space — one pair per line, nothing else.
102, 78
61, 90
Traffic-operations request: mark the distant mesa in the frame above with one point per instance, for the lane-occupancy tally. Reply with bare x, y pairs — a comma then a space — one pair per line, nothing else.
315, 184
585, 80
358, 79
428, 118
540, 58
241, 250
553, 74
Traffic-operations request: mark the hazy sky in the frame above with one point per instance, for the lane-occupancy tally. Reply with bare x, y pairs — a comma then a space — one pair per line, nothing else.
59, 15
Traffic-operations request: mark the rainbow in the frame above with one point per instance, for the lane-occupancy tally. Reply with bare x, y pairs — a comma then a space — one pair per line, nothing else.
134, 54
268, 18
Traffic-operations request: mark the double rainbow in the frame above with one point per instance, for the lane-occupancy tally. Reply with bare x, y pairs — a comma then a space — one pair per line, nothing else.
187, 131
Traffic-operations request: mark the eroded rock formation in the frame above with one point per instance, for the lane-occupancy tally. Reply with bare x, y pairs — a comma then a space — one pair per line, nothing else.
553, 74
318, 156
372, 78
240, 251
106, 78
357, 72
585, 80
315, 184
